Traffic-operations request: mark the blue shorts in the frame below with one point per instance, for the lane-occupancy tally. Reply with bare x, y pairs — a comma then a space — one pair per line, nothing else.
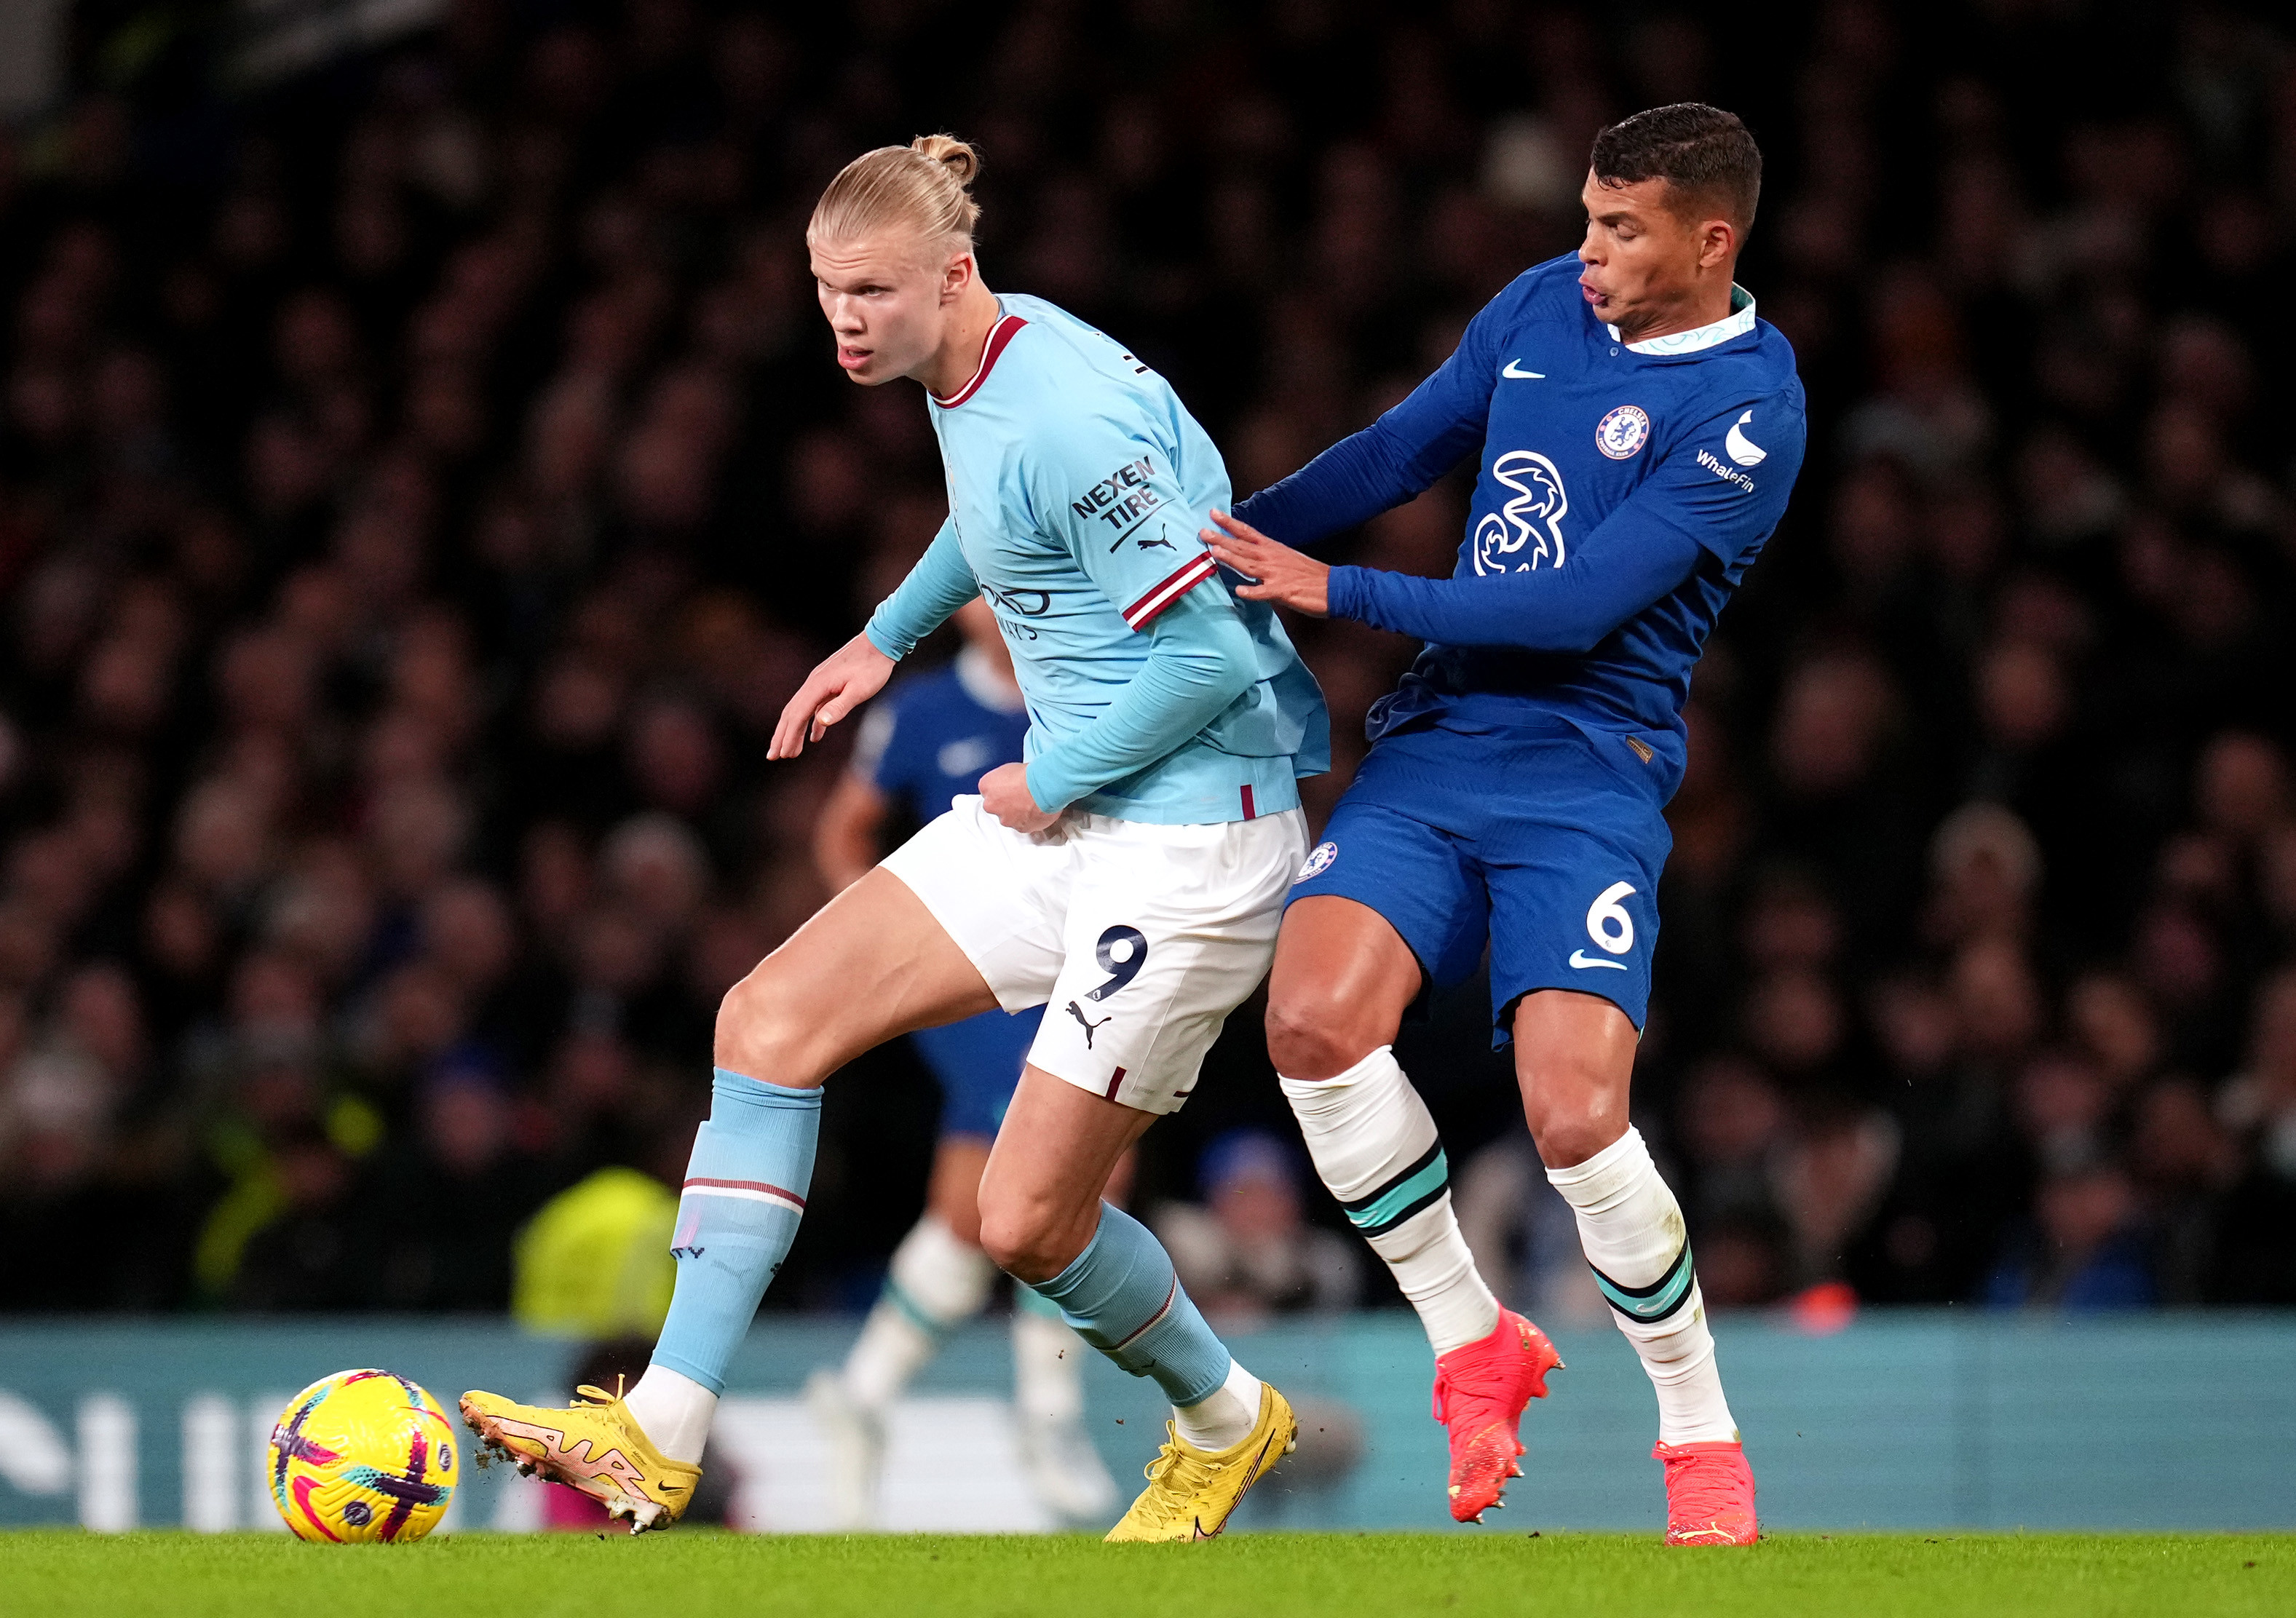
1543, 842
978, 1062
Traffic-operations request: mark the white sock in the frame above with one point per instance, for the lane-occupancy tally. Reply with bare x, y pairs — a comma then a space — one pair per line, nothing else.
1631, 1228
1226, 1418
1374, 1143
674, 1411
935, 1282
1048, 1369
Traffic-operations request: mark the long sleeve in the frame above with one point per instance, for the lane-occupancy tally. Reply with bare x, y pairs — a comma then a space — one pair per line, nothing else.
1199, 660
1643, 552
937, 586
1572, 609
1393, 460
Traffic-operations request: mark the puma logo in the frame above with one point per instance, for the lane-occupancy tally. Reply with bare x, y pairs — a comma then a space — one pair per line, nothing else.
1090, 1027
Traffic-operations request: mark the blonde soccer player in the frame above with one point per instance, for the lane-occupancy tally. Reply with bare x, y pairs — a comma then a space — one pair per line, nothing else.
1128, 877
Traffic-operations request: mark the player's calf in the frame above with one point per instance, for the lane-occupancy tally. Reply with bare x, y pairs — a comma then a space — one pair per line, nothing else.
1122, 1295
1374, 1146
1632, 1231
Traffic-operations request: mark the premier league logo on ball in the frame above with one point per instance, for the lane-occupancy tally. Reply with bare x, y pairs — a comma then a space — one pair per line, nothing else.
1622, 432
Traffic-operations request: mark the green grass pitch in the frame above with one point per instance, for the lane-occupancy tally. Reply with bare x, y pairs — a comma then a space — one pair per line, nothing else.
700, 1574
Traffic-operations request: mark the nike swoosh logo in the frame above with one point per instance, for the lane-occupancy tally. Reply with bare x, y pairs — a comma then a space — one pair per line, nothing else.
1513, 369
1580, 958
1249, 1478
1743, 450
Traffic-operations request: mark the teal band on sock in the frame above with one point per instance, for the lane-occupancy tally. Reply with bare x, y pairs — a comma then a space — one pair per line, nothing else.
737, 1213
897, 1295
1416, 1187
1028, 1300
1123, 1296
1654, 1303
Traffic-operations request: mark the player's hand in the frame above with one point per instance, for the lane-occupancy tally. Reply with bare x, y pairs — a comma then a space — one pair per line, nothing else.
1004, 794
1281, 574
846, 678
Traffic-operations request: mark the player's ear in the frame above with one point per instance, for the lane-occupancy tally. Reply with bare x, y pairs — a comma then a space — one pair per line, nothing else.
956, 272
1718, 243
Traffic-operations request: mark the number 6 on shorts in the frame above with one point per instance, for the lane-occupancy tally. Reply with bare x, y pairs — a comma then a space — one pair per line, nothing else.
1608, 925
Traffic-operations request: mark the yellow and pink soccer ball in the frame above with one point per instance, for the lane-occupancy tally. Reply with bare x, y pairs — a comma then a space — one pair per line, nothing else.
362, 1456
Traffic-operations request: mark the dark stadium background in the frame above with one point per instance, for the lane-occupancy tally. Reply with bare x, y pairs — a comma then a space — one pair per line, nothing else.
422, 477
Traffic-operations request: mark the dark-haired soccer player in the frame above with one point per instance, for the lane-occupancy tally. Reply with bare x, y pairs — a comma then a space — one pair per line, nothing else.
1639, 431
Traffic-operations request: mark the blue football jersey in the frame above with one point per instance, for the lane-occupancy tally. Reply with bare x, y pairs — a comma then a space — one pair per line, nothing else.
1077, 483
1590, 447
931, 738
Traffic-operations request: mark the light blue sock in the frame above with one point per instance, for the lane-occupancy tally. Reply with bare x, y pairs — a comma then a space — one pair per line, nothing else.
1122, 1296
744, 1192
1028, 1300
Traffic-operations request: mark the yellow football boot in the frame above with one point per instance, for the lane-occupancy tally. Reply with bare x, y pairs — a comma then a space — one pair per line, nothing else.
1192, 1491
597, 1447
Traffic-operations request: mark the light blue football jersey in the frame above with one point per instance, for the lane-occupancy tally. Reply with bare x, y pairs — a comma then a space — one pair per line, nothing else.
1077, 483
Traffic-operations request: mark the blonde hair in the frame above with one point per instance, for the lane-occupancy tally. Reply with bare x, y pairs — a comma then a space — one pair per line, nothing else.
922, 187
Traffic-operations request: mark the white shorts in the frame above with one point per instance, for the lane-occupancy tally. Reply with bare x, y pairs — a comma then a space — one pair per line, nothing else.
1141, 939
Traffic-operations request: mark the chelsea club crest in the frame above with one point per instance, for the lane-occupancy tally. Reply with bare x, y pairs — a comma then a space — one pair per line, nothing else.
1622, 432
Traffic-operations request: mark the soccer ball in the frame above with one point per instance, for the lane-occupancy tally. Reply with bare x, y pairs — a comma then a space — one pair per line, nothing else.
362, 1456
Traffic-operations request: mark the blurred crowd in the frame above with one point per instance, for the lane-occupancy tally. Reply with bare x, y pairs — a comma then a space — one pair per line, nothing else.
421, 482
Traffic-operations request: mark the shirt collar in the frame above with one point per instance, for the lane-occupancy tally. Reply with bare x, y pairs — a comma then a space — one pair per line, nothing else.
1736, 323
991, 346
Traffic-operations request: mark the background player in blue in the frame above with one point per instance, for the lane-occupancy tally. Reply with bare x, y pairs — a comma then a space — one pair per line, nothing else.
1639, 428
922, 744
1131, 874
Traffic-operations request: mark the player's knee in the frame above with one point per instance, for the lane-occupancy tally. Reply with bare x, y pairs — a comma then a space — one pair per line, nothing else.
1314, 1034
1567, 1136
1573, 1113
756, 1035
1018, 1241
1029, 1231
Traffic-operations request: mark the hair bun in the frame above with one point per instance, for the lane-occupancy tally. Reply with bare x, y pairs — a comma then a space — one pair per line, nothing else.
953, 154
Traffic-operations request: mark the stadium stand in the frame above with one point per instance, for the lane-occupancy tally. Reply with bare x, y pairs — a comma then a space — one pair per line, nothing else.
423, 479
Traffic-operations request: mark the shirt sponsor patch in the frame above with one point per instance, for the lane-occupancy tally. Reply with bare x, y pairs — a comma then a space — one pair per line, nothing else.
1712, 462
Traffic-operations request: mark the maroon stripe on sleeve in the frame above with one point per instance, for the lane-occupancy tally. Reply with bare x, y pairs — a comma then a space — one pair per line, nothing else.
1175, 584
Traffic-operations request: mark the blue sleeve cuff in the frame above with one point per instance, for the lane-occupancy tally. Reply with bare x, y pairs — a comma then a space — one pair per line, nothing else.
1347, 592
877, 638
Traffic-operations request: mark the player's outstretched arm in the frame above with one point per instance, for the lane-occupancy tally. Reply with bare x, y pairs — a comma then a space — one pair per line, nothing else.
1548, 610
1573, 608
1685, 512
